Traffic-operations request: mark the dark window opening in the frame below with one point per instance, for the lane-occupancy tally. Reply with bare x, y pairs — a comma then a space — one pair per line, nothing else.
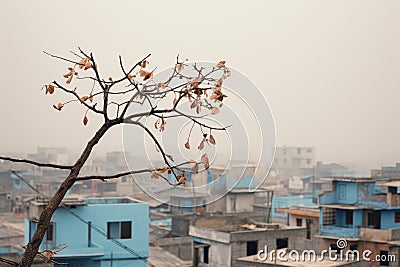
299, 222
349, 217
251, 248
308, 228
374, 219
206, 251
397, 217
282, 243
50, 232
119, 230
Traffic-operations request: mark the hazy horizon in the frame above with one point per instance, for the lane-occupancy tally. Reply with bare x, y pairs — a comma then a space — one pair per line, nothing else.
329, 69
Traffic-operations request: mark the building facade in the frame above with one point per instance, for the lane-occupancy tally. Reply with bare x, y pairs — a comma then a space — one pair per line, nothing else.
98, 232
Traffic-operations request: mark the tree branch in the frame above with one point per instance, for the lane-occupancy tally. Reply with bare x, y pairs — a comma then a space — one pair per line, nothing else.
39, 164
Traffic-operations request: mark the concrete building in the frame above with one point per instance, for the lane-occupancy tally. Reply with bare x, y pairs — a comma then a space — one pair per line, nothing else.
222, 245
387, 172
97, 231
365, 212
307, 217
291, 158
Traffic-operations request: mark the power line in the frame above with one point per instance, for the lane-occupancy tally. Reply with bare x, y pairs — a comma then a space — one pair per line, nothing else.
97, 229
9, 262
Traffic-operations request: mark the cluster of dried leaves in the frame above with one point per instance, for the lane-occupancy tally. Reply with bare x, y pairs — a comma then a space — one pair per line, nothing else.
203, 91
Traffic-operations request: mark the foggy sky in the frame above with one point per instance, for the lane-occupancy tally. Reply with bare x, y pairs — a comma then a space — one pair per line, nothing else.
329, 69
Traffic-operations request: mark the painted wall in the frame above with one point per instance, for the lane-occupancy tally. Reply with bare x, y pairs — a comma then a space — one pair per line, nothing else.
72, 231
287, 201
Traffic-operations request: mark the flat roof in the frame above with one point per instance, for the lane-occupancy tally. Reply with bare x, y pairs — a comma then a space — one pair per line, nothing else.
159, 257
349, 179
350, 207
390, 183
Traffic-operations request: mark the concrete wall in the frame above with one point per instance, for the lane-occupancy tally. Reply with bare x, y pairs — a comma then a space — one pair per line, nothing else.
181, 223
236, 242
182, 247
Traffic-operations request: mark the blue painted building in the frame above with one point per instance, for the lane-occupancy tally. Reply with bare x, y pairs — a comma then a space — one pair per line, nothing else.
283, 202
99, 232
364, 211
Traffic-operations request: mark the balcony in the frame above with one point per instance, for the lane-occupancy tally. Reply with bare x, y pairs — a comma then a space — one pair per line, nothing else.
379, 235
336, 231
93, 251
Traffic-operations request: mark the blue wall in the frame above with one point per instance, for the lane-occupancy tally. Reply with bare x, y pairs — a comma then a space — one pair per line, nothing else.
70, 230
287, 201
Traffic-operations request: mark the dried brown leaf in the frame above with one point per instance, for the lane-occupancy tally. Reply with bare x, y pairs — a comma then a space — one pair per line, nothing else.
69, 80
59, 106
221, 63
143, 64
214, 110
85, 120
145, 74
84, 98
88, 64
212, 140
195, 168
180, 66
154, 175
187, 144
201, 145
50, 89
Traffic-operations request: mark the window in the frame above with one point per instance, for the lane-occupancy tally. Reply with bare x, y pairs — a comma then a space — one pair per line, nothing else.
349, 217
308, 161
119, 230
384, 259
233, 204
282, 243
374, 219
342, 192
251, 248
299, 222
201, 254
329, 216
299, 151
308, 227
397, 217
50, 233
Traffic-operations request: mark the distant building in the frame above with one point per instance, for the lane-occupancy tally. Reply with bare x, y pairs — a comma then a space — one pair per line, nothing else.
387, 172
98, 231
290, 158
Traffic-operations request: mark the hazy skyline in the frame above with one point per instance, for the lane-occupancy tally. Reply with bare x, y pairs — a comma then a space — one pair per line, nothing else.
329, 69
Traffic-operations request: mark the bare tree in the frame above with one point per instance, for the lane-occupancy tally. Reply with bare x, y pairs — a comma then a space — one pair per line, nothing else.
136, 86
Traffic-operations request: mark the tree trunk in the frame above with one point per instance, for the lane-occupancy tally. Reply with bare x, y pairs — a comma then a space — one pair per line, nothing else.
45, 217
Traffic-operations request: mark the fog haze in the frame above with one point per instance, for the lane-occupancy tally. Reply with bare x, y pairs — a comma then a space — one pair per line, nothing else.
330, 70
